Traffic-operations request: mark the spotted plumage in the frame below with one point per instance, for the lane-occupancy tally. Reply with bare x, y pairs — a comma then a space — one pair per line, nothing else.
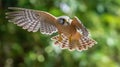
72, 34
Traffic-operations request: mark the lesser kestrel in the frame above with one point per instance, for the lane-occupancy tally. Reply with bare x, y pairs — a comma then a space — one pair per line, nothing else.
72, 34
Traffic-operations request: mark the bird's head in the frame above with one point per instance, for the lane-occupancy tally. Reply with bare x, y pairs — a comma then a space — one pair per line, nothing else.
64, 20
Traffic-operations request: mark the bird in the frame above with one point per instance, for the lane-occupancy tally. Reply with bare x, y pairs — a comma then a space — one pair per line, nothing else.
72, 34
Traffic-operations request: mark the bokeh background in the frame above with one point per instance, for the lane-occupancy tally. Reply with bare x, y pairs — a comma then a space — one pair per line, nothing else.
19, 48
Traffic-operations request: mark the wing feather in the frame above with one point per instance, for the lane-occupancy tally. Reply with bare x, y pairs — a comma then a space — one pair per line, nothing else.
33, 20
80, 27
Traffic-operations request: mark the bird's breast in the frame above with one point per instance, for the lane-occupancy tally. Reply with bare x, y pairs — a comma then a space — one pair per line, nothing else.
67, 30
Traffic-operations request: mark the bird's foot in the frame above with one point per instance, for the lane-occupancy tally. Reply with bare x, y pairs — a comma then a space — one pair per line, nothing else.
60, 38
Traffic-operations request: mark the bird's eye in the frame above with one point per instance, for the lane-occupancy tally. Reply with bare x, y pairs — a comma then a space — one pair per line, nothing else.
61, 21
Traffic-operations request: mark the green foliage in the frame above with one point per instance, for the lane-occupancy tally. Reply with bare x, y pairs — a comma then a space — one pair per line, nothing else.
19, 48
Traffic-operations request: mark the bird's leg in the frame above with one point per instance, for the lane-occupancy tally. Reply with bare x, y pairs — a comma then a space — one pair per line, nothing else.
60, 37
70, 42
70, 39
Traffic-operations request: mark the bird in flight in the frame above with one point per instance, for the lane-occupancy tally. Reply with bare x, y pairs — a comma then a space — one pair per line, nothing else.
72, 34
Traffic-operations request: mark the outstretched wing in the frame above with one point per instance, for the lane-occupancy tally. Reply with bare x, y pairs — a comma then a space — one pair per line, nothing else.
32, 20
80, 27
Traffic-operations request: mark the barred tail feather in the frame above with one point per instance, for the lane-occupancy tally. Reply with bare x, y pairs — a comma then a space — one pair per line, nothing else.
82, 44
63, 43
85, 43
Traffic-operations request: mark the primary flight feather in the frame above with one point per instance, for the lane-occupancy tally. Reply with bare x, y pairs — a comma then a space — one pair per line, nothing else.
72, 34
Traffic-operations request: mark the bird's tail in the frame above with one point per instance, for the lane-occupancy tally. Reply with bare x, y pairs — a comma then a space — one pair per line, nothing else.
63, 43
82, 44
85, 43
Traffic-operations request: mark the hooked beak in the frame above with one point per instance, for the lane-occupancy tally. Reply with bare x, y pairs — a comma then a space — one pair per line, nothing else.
69, 21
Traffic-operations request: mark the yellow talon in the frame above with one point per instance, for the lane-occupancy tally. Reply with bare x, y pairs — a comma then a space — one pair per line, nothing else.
70, 39
60, 38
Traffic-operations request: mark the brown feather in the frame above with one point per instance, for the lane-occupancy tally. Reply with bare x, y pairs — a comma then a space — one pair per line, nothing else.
33, 20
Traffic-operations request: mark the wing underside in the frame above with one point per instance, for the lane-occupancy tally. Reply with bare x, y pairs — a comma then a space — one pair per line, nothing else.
32, 20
